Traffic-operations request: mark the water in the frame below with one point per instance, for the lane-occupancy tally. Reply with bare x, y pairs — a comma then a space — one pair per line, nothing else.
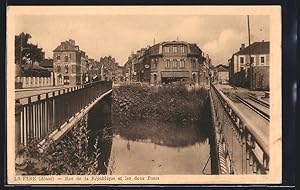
154, 147
145, 157
148, 146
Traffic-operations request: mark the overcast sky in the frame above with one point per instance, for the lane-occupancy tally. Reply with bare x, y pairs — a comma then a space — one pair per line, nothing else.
118, 36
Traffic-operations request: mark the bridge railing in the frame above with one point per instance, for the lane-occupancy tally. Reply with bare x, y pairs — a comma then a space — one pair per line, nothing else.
245, 150
38, 116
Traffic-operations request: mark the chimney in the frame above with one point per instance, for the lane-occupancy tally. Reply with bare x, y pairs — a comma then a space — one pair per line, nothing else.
242, 46
72, 42
263, 40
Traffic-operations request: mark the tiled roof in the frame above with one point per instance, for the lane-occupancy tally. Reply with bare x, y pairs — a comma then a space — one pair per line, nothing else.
66, 46
256, 48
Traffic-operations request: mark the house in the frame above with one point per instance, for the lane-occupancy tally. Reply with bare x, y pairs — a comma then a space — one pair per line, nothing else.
70, 63
171, 61
256, 76
222, 74
47, 63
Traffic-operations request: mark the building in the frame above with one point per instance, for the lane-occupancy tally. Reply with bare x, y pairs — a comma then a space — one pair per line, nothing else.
131, 67
255, 77
70, 63
47, 63
172, 61
222, 74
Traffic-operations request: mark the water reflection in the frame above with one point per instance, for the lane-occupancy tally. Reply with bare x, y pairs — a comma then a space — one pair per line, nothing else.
173, 134
149, 146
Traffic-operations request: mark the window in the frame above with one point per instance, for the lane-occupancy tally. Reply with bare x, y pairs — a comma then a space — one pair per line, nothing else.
262, 60
154, 65
242, 60
182, 49
66, 69
182, 63
58, 57
58, 69
66, 58
167, 49
175, 49
168, 64
174, 63
253, 60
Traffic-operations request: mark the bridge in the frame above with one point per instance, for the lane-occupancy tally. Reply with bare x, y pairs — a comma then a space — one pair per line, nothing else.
51, 114
241, 135
240, 138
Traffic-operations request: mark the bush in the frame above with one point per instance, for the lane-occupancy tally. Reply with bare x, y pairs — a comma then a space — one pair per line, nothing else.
69, 156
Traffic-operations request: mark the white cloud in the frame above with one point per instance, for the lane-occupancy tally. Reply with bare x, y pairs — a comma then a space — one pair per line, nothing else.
221, 49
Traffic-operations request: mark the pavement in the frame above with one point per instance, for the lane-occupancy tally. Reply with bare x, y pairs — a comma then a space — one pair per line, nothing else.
27, 92
227, 88
261, 125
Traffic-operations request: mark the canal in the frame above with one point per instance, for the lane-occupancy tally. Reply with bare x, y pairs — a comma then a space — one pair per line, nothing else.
134, 131
151, 145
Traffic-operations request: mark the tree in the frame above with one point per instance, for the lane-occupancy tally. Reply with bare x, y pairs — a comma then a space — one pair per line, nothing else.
109, 63
26, 52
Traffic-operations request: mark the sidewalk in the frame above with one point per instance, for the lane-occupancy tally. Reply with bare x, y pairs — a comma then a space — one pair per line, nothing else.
23, 93
42, 88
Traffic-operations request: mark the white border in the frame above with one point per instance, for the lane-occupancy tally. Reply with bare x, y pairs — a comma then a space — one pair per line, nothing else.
275, 88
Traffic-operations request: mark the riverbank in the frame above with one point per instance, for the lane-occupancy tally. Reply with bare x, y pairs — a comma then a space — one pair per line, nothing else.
171, 103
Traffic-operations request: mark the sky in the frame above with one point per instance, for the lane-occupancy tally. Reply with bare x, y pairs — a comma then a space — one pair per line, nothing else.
119, 35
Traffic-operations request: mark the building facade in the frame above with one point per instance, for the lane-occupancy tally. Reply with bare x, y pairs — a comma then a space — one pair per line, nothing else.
222, 74
70, 63
169, 62
255, 77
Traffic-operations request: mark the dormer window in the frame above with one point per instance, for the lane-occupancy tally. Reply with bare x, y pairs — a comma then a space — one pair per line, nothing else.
175, 49
167, 49
182, 49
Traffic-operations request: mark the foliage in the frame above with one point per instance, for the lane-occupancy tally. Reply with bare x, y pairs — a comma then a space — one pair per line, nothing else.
25, 51
109, 63
69, 156
173, 103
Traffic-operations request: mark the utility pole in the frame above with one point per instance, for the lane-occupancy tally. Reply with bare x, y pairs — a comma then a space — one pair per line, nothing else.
21, 49
249, 48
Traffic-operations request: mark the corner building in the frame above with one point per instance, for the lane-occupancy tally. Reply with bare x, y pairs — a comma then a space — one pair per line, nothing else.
70, 63
173, 61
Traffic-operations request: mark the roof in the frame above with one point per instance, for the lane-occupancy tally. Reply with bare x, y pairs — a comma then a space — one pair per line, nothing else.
222, 68
34, 67
192, 47
195, 49
66, 46
256, 48
47, 63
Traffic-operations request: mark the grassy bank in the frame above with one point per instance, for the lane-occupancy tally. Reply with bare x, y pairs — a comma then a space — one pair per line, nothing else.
174, 103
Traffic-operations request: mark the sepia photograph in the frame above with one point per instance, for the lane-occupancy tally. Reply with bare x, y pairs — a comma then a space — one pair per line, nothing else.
144, 95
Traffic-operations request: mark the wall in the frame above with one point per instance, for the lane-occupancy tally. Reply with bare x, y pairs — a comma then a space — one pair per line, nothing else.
260, 78
31, 82
74, 66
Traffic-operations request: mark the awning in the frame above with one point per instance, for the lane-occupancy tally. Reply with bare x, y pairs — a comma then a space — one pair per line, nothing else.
175, 74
